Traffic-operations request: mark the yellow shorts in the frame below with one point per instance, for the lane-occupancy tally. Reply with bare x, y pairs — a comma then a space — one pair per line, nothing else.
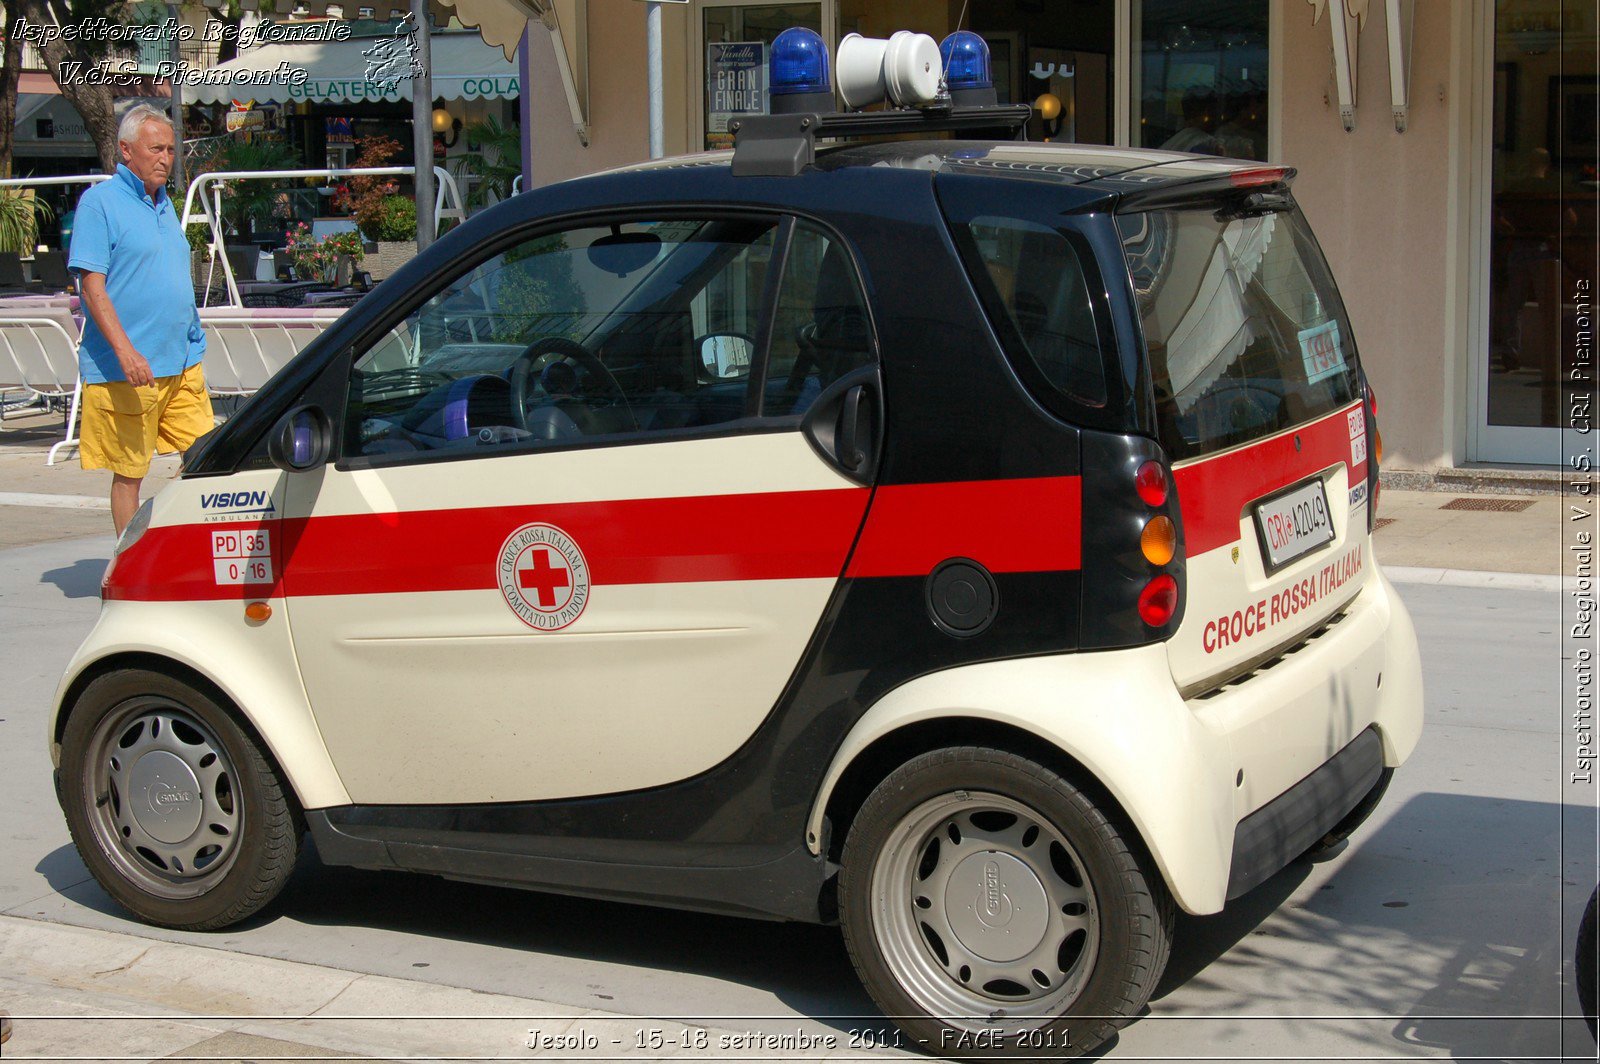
122, 426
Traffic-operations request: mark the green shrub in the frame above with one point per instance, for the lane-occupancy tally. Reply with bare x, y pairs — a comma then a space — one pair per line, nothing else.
393, 218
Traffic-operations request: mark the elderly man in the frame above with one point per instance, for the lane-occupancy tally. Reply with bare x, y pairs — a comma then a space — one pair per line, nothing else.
143, 388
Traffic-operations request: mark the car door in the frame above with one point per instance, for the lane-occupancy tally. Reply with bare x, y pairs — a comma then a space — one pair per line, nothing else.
579, 537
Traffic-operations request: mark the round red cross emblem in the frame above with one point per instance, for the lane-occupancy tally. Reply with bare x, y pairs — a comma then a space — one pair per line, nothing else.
543, 576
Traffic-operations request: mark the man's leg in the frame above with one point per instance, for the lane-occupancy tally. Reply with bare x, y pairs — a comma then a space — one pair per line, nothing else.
124, 499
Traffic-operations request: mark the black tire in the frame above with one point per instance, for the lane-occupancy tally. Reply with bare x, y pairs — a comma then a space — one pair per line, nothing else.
1101, 963
1585, 960
246, 828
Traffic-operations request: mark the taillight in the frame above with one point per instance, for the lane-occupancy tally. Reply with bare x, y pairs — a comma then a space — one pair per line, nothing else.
1257, 176
1158, 542
1151, 484
1374, 456
1158, 601
1132, 589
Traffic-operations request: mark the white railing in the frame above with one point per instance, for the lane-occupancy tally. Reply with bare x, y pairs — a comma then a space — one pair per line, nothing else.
211, 207
64, 179
44, 364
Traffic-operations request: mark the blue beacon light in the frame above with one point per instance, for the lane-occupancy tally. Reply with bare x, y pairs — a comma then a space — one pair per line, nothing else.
798, 80
966, 69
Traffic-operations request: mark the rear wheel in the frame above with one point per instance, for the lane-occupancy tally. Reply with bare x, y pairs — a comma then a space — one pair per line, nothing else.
171, 805
992, 909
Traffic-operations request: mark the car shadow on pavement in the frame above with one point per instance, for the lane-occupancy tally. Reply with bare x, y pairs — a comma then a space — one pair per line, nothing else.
79, 580
1445, 925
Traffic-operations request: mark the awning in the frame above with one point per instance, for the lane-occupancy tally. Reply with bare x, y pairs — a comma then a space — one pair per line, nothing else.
462, 68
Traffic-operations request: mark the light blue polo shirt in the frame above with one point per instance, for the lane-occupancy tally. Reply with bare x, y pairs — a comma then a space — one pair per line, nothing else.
137, 243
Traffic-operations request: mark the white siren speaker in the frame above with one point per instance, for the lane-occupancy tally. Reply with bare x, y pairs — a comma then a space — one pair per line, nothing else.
911, 69
858, 70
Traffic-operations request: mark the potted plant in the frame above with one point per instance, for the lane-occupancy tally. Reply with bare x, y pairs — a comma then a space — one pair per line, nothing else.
20, 214
391, 222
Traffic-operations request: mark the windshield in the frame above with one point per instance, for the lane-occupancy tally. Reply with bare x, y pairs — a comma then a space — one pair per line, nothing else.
1244, 328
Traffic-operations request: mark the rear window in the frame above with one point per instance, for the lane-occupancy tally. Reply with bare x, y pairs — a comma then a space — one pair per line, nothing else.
1243, 325
1031, 280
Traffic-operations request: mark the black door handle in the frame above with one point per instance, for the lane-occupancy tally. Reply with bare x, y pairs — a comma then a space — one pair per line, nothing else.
850, 455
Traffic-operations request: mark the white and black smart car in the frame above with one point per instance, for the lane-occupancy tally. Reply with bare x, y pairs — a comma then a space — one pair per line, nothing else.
963, 540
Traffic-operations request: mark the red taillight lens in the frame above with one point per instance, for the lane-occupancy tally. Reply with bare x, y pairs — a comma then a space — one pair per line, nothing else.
1151, 484
1158, 601
1372, 401
1257, 176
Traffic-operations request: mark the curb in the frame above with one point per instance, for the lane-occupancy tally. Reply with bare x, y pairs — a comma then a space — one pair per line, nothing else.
88, 994
1409, 574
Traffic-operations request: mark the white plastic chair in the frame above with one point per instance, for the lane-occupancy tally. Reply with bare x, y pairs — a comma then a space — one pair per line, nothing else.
39, 354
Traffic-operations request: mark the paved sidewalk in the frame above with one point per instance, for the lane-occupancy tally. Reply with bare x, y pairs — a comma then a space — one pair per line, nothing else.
78, 993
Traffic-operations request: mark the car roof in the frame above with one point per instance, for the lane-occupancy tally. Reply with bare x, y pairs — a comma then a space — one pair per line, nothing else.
1094, 166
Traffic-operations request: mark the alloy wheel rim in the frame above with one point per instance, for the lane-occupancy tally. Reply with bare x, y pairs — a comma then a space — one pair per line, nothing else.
984, 912
163, 798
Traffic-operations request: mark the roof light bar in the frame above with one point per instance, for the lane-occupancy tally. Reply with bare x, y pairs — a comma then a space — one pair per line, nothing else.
798, 79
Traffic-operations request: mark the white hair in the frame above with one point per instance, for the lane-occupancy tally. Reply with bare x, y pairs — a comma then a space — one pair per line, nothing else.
135, 118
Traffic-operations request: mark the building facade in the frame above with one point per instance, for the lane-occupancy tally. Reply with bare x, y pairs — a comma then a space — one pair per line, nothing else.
1450, 175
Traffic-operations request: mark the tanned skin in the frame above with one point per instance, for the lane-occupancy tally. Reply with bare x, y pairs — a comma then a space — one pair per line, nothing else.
150, 159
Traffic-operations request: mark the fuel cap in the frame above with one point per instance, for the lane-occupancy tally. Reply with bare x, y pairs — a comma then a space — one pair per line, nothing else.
962, 597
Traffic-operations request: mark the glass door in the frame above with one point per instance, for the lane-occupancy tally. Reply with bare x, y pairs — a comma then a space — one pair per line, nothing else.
1540, 241
730, 58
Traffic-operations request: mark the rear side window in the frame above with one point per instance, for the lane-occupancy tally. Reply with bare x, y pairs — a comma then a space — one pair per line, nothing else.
1031, 280
1244, 328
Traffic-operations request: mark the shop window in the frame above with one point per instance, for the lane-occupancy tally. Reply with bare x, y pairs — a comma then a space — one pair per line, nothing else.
1200, 80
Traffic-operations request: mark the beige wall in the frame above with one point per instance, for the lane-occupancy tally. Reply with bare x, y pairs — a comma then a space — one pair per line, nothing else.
618, 104
1381, 206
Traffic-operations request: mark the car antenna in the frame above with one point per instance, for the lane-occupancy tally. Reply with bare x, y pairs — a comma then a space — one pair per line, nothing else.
944, 64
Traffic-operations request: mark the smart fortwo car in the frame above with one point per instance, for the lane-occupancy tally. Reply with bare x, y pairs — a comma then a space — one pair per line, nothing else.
966, 541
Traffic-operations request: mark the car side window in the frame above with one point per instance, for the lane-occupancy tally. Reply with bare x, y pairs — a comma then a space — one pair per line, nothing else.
1036, 294
820, 330
642, 327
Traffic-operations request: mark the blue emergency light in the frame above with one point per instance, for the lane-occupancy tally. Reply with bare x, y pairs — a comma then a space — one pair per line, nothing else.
965, 57
798, 80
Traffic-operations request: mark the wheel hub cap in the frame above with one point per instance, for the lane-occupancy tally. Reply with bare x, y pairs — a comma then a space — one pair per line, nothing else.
165, 798
997, 907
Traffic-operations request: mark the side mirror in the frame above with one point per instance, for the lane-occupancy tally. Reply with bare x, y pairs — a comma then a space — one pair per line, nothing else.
302, 439
726, 355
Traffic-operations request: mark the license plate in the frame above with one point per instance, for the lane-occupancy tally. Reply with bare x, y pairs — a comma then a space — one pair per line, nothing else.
1294, 524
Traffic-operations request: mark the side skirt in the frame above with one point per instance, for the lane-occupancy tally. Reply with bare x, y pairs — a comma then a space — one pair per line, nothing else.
790, 887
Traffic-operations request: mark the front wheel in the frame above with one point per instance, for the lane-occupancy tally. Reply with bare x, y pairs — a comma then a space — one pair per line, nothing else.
992, 909
172, 806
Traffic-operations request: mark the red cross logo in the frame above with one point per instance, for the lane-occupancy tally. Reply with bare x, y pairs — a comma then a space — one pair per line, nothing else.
542, 578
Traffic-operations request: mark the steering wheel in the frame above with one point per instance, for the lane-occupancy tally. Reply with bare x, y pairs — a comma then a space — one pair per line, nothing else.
527, 376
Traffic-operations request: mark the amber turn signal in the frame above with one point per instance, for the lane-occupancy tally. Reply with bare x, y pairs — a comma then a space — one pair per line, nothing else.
257, 611
1159, 541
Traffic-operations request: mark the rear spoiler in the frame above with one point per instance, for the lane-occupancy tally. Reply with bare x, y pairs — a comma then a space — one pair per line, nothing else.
1251, 190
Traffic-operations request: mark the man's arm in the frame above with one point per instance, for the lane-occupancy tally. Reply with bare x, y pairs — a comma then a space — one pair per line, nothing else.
134, 365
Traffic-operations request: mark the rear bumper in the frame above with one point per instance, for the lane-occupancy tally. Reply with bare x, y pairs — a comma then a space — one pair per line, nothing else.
1286, 827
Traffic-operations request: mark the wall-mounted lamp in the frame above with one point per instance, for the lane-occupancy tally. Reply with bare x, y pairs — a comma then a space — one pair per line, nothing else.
446, 127
1048, 107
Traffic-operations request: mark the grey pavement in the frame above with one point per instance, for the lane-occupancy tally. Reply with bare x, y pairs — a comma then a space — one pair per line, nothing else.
1443, 930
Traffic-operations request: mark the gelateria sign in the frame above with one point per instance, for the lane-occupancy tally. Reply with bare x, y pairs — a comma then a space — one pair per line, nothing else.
449, 88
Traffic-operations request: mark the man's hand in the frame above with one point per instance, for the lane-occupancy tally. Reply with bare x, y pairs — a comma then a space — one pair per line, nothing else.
135, 368
134, 365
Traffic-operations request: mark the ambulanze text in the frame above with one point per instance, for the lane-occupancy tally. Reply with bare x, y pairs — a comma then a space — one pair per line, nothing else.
100, 29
